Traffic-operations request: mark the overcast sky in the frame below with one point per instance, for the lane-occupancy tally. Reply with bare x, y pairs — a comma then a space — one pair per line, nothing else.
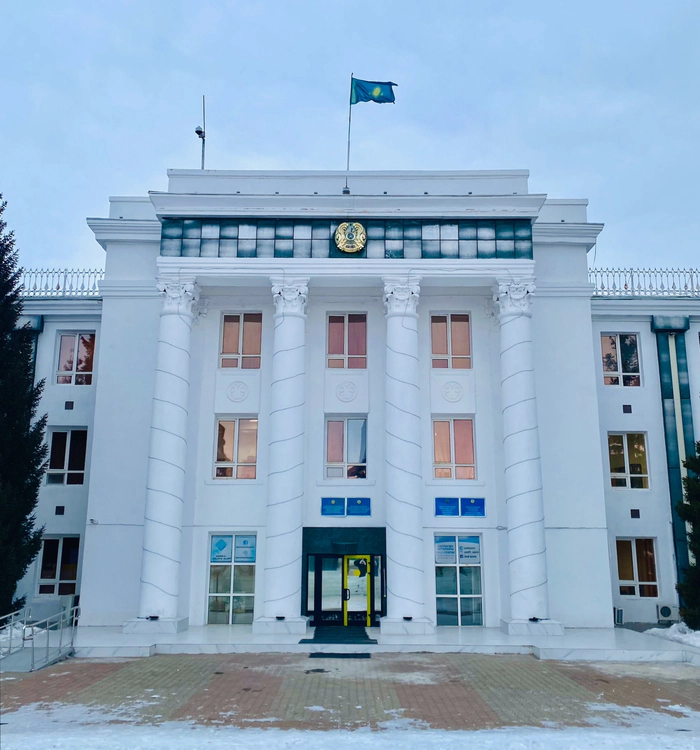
598, 99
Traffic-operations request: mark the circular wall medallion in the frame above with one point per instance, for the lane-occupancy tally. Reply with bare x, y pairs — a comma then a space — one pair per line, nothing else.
346, 392
350, 237
237, 391
452, 391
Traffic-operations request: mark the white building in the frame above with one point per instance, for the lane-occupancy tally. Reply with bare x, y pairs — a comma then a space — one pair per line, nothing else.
403, 404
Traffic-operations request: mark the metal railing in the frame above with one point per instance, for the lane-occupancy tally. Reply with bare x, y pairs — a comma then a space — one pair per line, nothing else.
12, 629
51, 639
645, 282
47, 283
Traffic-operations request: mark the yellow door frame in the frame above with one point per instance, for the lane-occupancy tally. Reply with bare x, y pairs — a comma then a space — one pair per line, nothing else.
346, 567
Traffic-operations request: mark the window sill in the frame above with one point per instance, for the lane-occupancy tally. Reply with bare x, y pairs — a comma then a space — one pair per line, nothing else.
346, 482
227, 481
454, 483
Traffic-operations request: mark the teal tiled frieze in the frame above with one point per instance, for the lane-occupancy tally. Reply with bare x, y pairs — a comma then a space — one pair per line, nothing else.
391, 238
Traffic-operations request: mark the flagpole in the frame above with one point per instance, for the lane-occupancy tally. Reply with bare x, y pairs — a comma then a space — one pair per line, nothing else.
347, 167
204, 128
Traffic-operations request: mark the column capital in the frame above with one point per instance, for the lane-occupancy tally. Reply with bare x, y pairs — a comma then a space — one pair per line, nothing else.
179, 297
401, 295
514, 297
290, 295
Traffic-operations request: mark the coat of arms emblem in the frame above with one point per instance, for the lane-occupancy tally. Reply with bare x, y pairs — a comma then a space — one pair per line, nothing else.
350, 237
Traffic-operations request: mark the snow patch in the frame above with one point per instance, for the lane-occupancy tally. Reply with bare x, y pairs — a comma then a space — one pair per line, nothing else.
679, 632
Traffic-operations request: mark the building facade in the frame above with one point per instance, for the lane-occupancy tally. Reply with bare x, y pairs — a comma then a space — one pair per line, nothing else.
401, 404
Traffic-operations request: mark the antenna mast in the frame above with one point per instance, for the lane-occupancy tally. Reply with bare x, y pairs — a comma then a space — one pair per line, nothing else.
202, 131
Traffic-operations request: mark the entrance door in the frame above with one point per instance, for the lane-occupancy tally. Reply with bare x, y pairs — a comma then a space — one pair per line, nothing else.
344, 589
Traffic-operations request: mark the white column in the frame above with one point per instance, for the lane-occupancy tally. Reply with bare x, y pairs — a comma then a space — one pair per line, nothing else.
527, 558
402, 468
282, 597
162, 532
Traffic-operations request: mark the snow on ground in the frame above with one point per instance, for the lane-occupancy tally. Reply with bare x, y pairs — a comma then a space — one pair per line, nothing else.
64, 727
679, 632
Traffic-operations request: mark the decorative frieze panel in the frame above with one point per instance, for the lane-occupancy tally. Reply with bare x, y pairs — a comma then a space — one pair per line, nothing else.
452, 392
346, 392
237, 392
285, 238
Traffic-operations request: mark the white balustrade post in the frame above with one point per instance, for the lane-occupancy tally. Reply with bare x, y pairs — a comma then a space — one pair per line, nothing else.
282, 597
402, 473
162, 532
527, 555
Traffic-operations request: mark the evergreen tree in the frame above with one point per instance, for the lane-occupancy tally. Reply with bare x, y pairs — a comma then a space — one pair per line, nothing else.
22, 448
689, 511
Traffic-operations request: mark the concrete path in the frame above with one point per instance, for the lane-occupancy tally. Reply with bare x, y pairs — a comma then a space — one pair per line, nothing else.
442, 691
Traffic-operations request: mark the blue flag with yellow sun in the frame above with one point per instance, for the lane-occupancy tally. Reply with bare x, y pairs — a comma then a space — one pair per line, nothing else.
371, 91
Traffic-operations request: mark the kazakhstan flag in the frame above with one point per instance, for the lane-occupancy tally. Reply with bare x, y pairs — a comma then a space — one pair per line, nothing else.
371, 91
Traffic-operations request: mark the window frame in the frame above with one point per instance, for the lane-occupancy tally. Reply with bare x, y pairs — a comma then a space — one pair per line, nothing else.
235, 463
66, 471
240, 358
74, 373
627, 475
453, 465
231, 594
58, 580
457, 565
619, 374
449, 356
636, 582
344, 464
346, 356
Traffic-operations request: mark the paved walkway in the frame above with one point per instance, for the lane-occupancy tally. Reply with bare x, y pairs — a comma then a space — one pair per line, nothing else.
293, 691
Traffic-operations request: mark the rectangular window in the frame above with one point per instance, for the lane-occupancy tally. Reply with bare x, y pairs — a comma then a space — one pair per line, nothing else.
59, 566
347, 341
458, 580
450, 340
636, 567
231, 579
236, 448
453, 449
628, 460
346, 448
67, 457
76, 358
241, 339
620, 359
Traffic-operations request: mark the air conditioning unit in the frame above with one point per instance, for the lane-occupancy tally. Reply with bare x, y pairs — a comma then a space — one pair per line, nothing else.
618, 615
667, 612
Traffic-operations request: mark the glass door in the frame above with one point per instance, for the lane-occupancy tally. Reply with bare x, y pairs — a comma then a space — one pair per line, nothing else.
357, 590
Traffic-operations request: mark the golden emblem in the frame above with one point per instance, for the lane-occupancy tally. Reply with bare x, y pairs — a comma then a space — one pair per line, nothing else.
350, 237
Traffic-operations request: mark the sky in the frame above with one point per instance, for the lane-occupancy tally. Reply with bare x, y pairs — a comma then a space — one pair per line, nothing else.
599, 100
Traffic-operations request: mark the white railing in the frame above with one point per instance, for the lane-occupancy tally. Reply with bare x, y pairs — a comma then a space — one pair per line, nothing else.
51, 639
46, 282
12, 630
645, 282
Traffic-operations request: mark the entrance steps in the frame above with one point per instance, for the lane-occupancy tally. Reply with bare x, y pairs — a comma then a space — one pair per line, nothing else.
604, 644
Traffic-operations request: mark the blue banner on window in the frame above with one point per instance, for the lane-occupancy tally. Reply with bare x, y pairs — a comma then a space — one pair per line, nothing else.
446, 506
473, 506
332, 506
221, 549
359, 506
245, 548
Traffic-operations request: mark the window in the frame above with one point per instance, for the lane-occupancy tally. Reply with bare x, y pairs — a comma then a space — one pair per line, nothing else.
636, 567
620, 359
59, 566
628, 460
72, 369
458, 580
450, 342
67, 457
240, 341
231, 579
236, 448
453, 449
347, 341
346, 449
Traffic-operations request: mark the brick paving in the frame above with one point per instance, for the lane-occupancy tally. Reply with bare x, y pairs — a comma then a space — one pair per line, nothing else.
292, 691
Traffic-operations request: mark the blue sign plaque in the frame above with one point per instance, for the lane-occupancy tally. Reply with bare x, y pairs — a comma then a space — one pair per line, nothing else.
332, 506
359, 506
446, 506
473, 506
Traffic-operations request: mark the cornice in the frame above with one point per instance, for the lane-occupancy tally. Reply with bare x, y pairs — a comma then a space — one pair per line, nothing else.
62, 306
566, 233
340, 272
552, 289
605, 307
131, 289
346, 206
124, 230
